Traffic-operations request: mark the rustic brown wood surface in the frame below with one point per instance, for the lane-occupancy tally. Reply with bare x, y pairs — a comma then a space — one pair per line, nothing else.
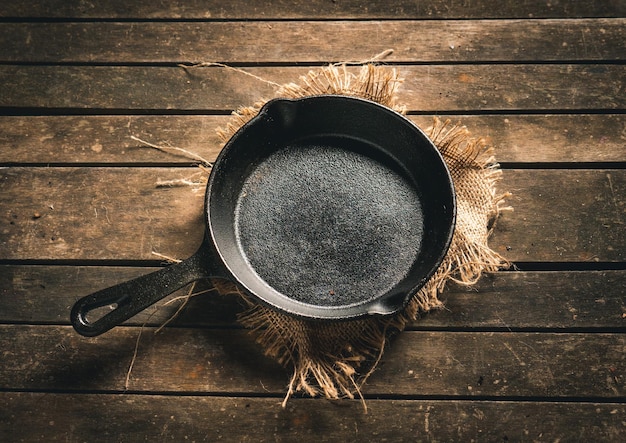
106, 139
534, 353
516, 364
427, 88
528, 300
123, 417
310, 41
301, 9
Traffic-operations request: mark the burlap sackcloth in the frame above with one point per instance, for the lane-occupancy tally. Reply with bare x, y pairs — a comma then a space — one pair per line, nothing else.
334, 359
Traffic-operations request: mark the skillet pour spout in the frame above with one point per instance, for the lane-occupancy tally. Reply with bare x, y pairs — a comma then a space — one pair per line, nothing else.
325, 207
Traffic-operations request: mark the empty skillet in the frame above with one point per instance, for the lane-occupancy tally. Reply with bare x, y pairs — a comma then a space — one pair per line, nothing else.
326, 207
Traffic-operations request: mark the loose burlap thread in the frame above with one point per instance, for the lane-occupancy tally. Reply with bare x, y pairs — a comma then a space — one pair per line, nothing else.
334, 359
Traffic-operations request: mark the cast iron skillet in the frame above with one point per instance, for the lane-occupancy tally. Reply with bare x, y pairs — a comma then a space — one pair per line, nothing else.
326, 207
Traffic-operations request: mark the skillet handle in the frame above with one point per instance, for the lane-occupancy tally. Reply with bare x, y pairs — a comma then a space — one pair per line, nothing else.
129, 298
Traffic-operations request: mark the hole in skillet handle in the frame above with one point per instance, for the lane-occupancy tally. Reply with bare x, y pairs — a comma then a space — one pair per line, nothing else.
101, 311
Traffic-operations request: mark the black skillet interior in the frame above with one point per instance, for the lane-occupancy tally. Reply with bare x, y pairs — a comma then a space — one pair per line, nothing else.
331, 207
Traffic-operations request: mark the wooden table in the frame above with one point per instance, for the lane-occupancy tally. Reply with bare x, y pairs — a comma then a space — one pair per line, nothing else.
532, 354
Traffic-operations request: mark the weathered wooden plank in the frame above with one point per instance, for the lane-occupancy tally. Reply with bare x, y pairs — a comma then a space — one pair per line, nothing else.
578, 218
554, 300
107, 139
44, 294
241, 9
502, 364
548, 138
309, 41
427, 88
120, 213
63, 417
191, 360
506, 300
74, 212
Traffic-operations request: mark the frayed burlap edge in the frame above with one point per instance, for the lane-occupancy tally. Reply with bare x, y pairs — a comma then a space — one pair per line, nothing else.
335, 359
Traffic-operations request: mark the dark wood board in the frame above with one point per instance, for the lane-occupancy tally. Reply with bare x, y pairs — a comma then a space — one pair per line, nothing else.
588, 228
427, 88
40, 294
537, 354
320, 9
81, 213
181, 360
538, 301
107, 139
332, 41
63, 417
187, 360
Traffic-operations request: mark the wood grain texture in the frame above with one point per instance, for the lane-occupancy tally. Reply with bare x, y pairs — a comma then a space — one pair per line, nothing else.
579, 218
107, 139
586, 228
539, 301
41, 294
62, 417
522, 356
319, 9
498, 364
187, 360
82, 213
547, 138
333, 41
427, 88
